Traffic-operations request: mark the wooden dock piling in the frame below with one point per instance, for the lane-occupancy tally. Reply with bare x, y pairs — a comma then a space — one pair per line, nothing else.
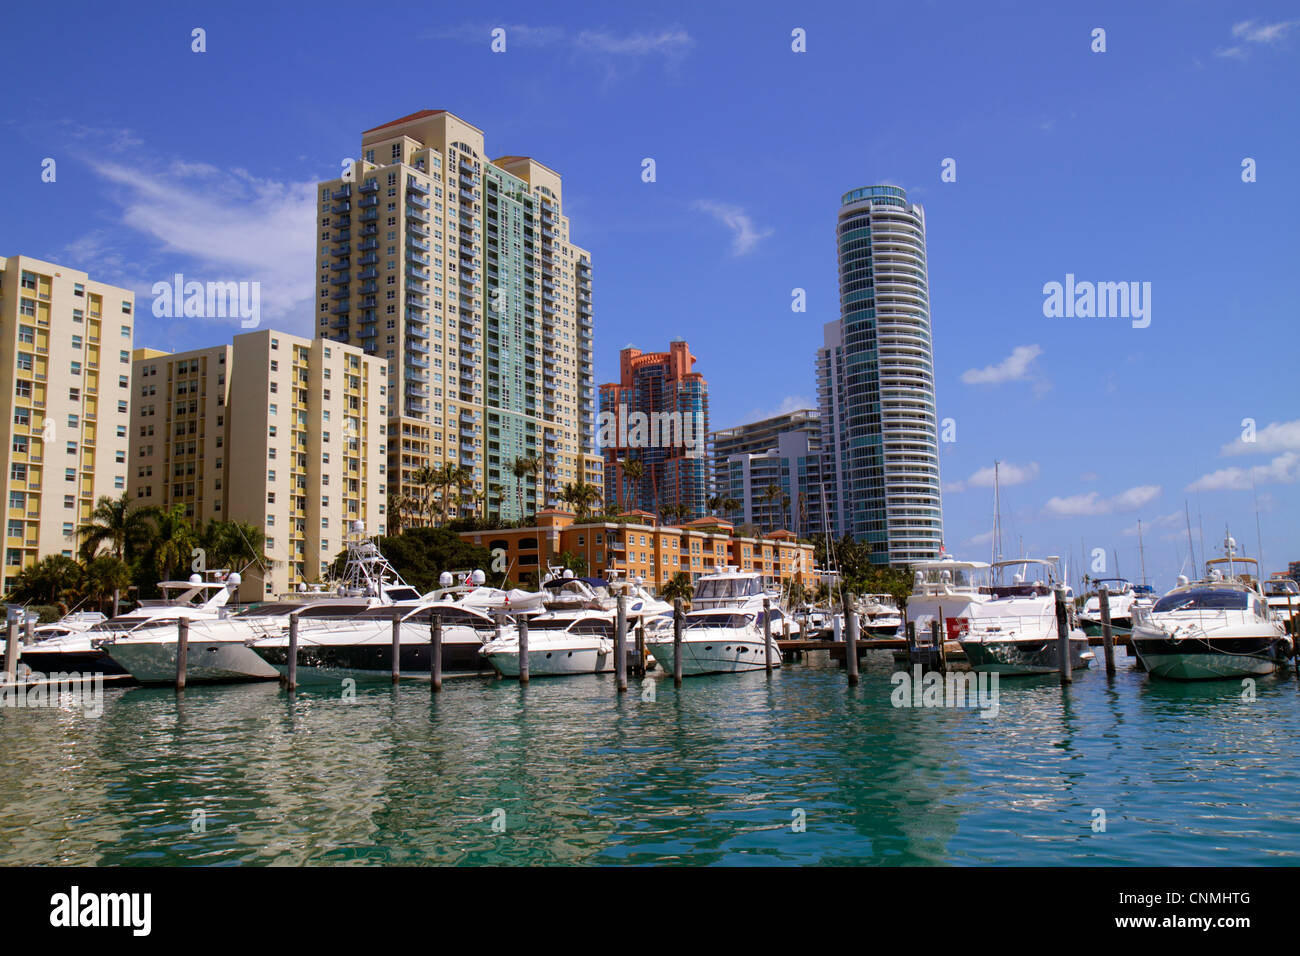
1063, 637
12, 650
851, 638
397, 645
639, 669
1107, 634
291, 663
620, 646
940, 659
522, 623
767, 635
678, 624
435, 652
182, 651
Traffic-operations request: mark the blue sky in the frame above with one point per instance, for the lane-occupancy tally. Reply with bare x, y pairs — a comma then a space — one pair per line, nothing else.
1117, 166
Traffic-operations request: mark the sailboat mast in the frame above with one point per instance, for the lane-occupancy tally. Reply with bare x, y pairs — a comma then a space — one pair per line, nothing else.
1191, 549
1259, 537
1142, 558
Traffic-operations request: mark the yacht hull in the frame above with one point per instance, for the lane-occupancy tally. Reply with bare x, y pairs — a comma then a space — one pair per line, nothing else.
715, 656
553, 662
205, 662
1119, 626
326, 664
1025, 657
81, 662
1208, 658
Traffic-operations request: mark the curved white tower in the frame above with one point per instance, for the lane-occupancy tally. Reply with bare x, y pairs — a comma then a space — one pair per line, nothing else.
876, 382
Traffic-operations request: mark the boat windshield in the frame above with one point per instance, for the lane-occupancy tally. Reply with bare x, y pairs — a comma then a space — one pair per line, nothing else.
960, 577
721, 619
1281, 588
726, 589
1203, 599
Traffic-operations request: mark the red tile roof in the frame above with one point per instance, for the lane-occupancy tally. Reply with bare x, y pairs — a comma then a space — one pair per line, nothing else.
406, 119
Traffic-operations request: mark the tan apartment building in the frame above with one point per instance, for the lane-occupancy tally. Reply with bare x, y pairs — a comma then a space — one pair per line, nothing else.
65, 354
285, 433
459, 272
640, 547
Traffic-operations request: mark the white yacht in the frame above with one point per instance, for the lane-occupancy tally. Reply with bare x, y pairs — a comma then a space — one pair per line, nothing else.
73, 623
723, 632
576, 641
1219, 627
1283, 597
360, 646
82, 651
879, 615
1120, 597
217, 649
1015, 631
948, 590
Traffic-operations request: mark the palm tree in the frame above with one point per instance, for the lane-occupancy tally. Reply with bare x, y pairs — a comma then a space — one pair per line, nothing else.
231, 544
633, 471
116, 523
104, 577
523, 466
785, 508
173, 539
679, 587
582, 495
50, 580
446, 477
426, 477
397, 504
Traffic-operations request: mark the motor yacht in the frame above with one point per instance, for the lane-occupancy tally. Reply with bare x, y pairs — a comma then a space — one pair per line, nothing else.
723, 633
1015, 630
1218, 627
82, 651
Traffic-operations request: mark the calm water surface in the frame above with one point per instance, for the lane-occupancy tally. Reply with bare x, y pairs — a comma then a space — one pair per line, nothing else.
711, 774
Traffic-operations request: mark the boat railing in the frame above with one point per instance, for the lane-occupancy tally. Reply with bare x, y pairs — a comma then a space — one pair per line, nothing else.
1008, 625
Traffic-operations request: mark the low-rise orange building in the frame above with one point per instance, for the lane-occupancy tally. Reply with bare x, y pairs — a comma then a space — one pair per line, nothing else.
640, 547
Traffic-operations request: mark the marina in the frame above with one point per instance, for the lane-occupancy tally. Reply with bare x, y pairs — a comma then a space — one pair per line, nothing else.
712, 772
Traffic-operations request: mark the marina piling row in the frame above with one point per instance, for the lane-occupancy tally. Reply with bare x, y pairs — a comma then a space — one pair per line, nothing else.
678, 622
182, 651
522, 623
851, 637
435, 653
620, 645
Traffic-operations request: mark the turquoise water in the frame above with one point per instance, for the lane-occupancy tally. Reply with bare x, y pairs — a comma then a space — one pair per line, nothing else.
713, 773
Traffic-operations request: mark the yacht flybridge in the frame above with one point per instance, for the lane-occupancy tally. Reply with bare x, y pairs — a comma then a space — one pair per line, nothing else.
723, 632
1015, 631
1121, 595
947, 590
1218, 627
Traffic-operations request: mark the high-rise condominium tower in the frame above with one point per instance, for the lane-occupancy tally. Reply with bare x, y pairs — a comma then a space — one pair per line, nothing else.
458, 270
875, 383
657, 415
65, 362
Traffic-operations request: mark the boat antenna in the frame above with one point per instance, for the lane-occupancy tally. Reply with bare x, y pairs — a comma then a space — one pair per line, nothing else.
1259, 538
1200, 526
1191, 549
1142, 558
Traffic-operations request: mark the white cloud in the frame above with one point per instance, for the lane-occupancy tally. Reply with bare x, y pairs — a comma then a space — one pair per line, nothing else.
1090, 476
979, 539
1252, 31
745, 235
1092, 503
1018, 366
1174, 518
791, 403
1272, 438
218, 225
1283, 469
1008, 474
668, 43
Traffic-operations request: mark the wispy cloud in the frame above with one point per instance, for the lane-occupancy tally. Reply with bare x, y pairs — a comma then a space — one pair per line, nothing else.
1016, 367
213, 224
791, 403
1094, 503
1272, 438
1248, 32
1171, 520
745, 235
669, 45
1008, 475
1284, 469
